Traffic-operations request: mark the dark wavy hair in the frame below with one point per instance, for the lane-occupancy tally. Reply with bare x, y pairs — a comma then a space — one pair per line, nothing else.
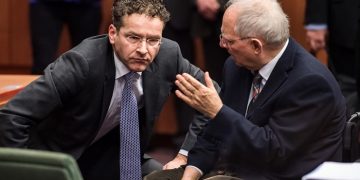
151, 8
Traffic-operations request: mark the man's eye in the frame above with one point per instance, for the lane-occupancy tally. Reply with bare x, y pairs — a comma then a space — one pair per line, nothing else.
153, 41
231, 42
134, 38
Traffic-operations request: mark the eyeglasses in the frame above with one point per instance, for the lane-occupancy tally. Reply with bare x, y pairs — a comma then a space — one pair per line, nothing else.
152, 42
228, 42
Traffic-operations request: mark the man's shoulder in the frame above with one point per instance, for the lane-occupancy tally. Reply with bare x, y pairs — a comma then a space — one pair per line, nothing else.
95, 40
167, 43
168, 47
90, 52
95, 45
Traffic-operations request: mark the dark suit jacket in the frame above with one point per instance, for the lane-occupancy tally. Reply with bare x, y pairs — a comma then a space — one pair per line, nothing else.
343, 44
64, 109
296, 124
181, 12
185, 16
341, 16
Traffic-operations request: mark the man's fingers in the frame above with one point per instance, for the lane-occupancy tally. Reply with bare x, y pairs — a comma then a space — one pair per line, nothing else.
208, 81
184, 86
183, 97
193, 82
185, 80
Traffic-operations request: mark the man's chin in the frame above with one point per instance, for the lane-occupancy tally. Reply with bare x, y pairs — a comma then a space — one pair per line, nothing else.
138, 68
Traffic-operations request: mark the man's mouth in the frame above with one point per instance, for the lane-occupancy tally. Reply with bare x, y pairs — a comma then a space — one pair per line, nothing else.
140, 60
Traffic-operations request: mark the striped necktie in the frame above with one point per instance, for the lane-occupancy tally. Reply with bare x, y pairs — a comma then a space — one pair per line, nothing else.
256, 89
256, 86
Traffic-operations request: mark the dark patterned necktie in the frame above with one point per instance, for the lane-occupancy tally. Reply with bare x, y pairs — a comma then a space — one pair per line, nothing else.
130, 165
256, 88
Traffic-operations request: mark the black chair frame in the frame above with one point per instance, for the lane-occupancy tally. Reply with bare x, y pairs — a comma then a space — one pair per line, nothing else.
351, 141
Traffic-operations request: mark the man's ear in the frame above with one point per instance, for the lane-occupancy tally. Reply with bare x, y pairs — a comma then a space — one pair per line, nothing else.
112, 32
257, 45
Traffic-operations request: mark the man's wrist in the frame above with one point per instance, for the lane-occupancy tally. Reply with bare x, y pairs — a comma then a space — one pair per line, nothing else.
181, 157
183, 152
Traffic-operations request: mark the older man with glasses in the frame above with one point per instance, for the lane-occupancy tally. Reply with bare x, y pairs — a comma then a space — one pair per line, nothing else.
280, 112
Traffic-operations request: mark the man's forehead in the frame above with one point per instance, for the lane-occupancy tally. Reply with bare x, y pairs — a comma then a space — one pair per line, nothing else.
142, 24
141, 19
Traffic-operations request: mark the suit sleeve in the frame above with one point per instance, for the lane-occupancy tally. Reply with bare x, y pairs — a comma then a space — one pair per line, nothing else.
61, 80
316, 12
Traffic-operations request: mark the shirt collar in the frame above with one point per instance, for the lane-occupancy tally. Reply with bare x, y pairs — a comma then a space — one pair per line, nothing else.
266, 70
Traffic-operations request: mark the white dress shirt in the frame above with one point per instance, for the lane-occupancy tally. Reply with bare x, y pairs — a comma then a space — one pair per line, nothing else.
112, 117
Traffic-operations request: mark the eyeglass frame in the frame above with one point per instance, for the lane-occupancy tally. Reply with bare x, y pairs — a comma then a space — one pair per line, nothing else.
136, 40
228, 42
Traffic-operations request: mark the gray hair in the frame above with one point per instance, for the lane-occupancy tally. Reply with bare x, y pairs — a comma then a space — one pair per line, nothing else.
263, 19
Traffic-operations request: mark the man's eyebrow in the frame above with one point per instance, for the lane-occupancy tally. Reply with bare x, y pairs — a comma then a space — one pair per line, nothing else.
154, 36
132, 33
136, 34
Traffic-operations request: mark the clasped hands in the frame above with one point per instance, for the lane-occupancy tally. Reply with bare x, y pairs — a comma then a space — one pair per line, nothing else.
208, 8
316, 39
203, 98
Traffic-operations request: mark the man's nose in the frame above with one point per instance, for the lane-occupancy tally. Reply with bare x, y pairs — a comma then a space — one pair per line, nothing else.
222, 45
142, 47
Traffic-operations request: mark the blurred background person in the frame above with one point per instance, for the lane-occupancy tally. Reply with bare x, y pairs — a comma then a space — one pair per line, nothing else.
206, 25
47, 20
179, 30
191, 21
334, 25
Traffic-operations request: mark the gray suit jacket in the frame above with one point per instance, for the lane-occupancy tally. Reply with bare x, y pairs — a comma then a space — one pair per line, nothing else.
64, 109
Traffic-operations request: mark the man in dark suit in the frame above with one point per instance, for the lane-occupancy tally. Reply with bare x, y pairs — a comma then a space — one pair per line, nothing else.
335, 25
48, 19
280, 112
178, 28
74, 107
206, 25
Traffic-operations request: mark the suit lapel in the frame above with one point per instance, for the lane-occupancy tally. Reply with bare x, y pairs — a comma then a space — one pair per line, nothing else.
277, 78
236, 86
109, 81
242, 91
151, 88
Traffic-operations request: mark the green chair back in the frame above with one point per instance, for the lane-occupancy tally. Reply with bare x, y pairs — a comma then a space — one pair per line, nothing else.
26, 164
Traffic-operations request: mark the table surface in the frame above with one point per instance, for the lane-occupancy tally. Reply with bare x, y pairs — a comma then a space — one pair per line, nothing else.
10, 85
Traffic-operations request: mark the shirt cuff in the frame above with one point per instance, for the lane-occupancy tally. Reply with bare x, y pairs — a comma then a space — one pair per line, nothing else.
316, 27
183, 152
